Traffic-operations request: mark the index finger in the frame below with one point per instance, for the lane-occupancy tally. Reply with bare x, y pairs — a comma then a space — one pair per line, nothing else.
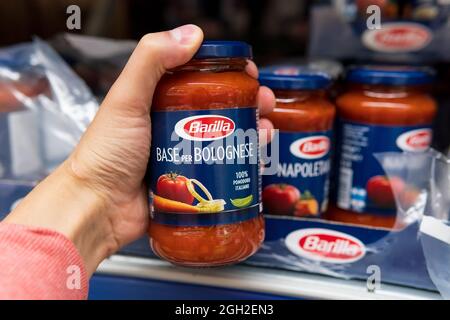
251, 69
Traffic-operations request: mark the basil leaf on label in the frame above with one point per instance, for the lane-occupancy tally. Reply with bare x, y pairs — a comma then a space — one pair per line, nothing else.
242, 202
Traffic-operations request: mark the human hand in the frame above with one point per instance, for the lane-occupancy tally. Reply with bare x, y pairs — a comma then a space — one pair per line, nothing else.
97, 197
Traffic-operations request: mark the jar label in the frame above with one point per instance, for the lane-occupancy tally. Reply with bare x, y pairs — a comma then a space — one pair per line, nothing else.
203, 167
362, 183
300, 186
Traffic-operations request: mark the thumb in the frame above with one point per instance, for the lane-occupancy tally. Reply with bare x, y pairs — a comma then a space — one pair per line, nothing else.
120, 131
155, 53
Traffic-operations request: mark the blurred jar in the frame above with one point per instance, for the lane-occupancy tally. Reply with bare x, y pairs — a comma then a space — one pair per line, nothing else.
385, 109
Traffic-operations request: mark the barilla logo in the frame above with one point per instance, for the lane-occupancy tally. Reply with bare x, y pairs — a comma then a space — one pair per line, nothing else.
310, 147
415, 140
205, 128
325, 245
397, 37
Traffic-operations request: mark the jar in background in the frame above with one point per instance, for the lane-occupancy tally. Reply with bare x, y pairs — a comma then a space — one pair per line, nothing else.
304, 117
204, 163
386, 109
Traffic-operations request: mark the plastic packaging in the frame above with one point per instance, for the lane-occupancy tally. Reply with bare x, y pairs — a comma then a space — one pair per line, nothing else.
44, 109
435, 238
425, 199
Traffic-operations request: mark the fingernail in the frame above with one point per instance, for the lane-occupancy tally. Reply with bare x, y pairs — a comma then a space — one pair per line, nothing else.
184, 34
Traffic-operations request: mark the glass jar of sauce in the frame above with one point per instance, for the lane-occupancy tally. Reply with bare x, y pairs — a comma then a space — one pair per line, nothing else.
204, 164
386, 109
304, 117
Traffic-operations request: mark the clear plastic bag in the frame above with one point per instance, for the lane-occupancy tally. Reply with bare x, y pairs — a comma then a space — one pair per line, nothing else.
425, 198
435, 238
44, 109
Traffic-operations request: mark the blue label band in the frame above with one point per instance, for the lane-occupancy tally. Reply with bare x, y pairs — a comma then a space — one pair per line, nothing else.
304, 167
204, 166
206, 219
362, 183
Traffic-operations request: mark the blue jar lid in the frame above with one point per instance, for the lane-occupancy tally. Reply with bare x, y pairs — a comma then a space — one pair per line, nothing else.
224, 49
390, 75
291, 77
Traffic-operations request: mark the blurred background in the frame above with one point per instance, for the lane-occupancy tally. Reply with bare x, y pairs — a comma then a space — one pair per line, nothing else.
52, 79
267, 24
330, 32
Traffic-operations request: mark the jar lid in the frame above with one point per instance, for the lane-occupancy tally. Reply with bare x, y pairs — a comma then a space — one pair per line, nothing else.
223, 49
291, 77
390, 75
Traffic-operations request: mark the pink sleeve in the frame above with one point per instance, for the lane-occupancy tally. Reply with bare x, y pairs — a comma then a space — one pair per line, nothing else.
37, 263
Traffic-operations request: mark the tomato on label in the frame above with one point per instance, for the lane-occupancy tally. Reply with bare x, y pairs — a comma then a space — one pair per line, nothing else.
173, 186
280, 198
380, 190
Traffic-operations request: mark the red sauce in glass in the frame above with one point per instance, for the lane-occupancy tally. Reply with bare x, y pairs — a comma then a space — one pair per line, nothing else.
211, 84
302, 111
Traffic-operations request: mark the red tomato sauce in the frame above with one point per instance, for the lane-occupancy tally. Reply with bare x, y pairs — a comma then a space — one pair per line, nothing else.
386, 105
206, 84
302, 111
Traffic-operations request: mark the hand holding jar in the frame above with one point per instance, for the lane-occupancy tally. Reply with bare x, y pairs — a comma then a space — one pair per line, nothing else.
204, 164
97, 198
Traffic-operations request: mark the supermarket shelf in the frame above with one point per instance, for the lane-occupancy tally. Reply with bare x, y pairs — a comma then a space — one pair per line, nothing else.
261, 280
